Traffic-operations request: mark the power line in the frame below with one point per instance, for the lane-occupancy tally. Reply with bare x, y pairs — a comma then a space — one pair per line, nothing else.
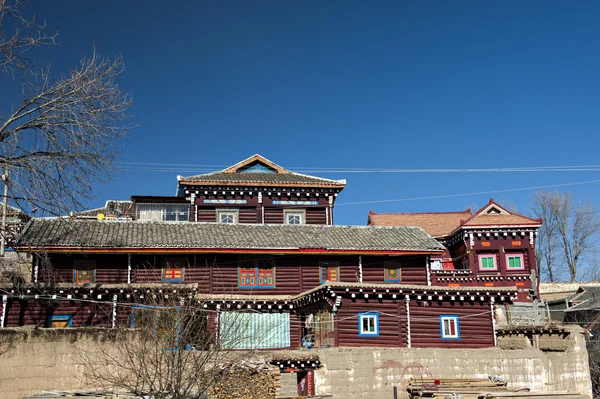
469, 194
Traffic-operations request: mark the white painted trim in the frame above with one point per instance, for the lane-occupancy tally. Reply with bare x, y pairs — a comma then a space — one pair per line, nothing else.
128, 268
360, 271
327, 215
493, 313
114, 311
4, 301
408, 341
428, 268
262, 209
36, 269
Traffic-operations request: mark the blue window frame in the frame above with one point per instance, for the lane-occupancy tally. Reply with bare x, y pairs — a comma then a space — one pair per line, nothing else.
150, 317
61, 321
368, 324
256, 273
449, 327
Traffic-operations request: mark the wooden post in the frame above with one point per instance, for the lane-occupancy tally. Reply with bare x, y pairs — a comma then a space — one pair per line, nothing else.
4, 211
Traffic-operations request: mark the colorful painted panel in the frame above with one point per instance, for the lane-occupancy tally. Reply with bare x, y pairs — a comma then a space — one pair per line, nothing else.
84, 271
173, 270
256, 274
329, 271
60, 321
392, 271
266, 274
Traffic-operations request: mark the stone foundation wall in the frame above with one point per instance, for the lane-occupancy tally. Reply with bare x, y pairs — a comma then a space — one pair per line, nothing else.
34, 361
371, 373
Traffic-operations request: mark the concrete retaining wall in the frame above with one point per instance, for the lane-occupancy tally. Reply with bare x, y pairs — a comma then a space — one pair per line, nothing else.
32, 362
371, 373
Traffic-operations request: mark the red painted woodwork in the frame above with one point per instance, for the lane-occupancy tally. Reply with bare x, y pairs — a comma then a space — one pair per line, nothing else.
392, 329
37, 312
110, 269
412, 269
475, 323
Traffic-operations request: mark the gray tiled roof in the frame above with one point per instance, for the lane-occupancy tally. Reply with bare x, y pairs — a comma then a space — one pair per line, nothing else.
262, 178
136, 234
587, 298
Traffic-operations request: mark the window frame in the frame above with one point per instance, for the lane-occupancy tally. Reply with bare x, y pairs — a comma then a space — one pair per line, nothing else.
77, 265
328, 264
173, 279
294, 212
59, 317
257, 274
487, 255
514, 255
156, 311
228, 211
368, 334
386, 267
455, 319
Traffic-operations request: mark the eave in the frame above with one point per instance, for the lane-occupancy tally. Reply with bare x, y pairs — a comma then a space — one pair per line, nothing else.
261, 184
272, 251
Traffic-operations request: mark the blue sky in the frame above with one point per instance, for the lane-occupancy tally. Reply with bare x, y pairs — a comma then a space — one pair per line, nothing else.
351, 84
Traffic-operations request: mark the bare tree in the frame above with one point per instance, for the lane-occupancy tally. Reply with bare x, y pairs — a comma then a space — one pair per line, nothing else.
568, 234
174, 350
63, 131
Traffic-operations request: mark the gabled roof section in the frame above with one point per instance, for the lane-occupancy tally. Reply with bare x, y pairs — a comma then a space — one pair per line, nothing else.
258, 170
493, 214
438, 224
122, 236
586, 298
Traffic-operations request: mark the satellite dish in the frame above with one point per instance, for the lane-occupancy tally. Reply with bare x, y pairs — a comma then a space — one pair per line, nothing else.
100, 216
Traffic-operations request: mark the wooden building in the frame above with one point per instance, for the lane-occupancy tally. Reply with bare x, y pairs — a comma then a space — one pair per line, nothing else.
255, 243
492, 247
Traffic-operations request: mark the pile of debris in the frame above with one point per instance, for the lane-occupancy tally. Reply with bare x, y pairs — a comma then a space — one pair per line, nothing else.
467, 388
246, 383
477, 388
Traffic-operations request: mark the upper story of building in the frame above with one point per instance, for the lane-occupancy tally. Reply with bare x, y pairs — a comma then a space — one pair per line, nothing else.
490, 247
254, 190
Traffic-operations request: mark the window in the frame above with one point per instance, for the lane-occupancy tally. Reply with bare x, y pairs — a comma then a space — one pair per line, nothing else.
228, 216
241, 330
487, 262
392, 272
173, 270
161, 212
163, 321
436, 264
60, 321
515, 262
449, 328
294, 216
84, 271
329, 271
258, 273
368, 324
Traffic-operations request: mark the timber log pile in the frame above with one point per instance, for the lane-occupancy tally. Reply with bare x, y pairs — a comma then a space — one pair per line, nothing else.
476, 388
467, 388
246, 383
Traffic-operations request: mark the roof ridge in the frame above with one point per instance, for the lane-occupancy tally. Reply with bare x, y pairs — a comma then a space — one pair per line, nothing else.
420, 213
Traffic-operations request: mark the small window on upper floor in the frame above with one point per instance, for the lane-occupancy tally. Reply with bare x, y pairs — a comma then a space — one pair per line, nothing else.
487, 262
228, 216
173, 270
392, 272
514, 262
294, 216
329, 271
84, 271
